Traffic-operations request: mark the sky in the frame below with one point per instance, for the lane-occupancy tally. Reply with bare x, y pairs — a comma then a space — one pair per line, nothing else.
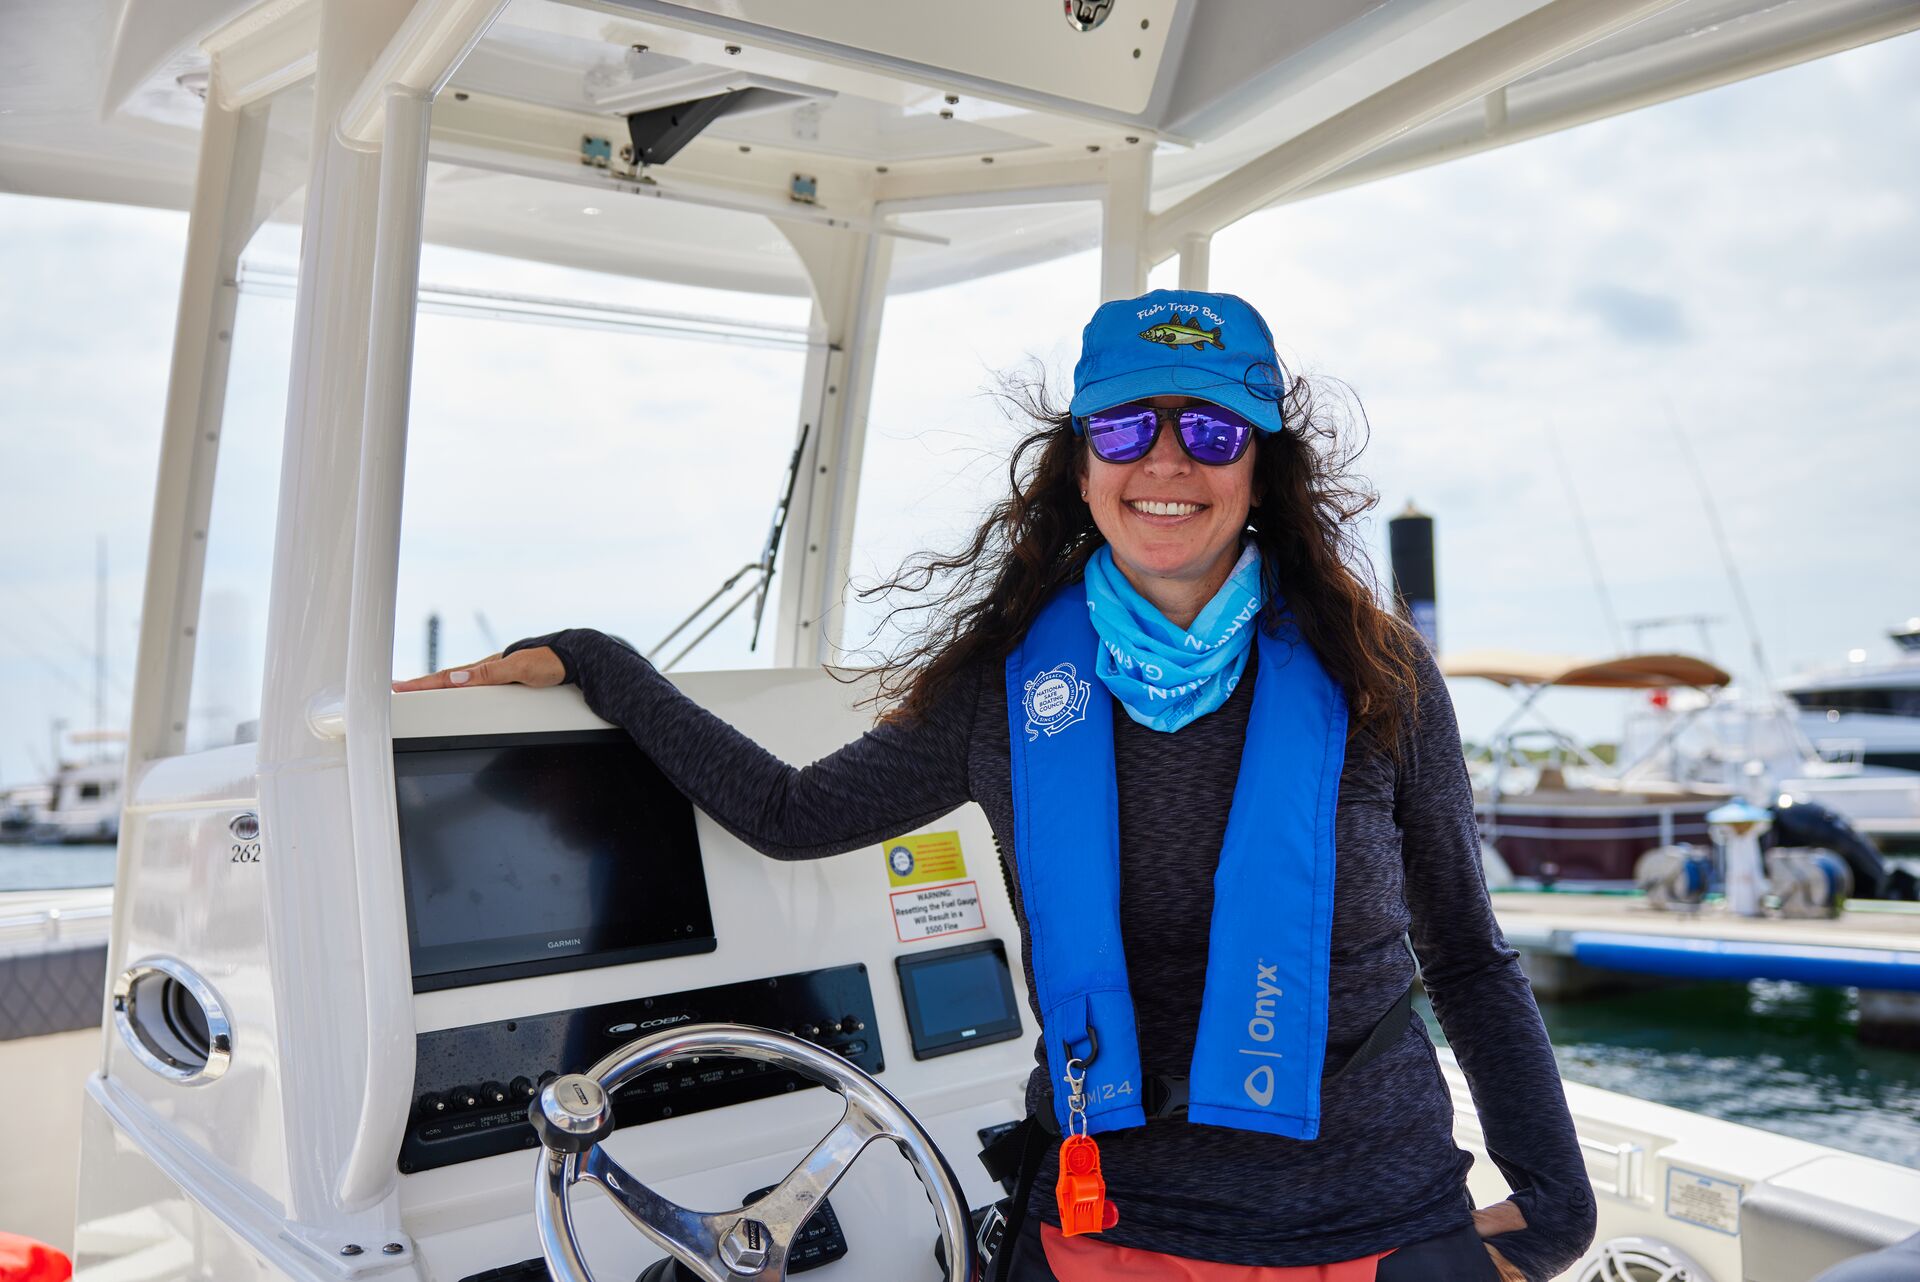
1734, 273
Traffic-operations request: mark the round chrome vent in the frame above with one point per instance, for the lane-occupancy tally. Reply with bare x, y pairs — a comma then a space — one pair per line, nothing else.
1638, 1259
172, 1020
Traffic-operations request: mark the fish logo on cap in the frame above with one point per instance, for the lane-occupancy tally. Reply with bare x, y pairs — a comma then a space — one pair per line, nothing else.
1184, 331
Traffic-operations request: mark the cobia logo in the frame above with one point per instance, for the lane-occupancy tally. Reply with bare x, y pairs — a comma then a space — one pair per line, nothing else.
1266, 987
661, 1023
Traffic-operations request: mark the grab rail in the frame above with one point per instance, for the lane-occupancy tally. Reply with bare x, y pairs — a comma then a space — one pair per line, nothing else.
1627, 1161
54, 916
387, 968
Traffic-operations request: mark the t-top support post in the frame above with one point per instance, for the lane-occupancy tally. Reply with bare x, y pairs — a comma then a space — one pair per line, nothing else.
1196, 260
1123, 224
225, 184
849, 271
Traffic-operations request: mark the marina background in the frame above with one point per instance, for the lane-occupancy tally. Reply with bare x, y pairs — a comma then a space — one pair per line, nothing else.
1736, 267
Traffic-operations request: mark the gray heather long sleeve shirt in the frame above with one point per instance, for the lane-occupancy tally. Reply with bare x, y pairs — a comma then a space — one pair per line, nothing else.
1384, 1171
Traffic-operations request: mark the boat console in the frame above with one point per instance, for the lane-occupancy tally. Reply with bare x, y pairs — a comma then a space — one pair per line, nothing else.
564, 902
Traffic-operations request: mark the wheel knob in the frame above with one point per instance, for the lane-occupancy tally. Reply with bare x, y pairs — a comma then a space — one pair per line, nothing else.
571, 1114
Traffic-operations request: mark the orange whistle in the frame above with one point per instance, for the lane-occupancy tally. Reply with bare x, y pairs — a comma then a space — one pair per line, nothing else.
1081, 1190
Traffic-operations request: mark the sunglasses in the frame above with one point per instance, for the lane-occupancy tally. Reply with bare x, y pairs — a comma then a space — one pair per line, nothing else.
1210, 434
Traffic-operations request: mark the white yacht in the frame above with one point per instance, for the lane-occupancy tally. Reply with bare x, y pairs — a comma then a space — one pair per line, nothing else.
1845, 737
345, 953
82, 804
1720, 739
20, 809
1865, 711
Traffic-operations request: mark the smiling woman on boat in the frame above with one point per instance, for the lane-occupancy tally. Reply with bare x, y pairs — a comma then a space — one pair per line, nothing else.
1215, 890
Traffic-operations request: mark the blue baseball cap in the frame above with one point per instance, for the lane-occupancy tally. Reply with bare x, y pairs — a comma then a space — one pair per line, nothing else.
1179, 342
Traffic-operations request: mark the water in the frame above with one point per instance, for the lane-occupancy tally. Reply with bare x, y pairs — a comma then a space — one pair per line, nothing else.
55, 867
1782, 1057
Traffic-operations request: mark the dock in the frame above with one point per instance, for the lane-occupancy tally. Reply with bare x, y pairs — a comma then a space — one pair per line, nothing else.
1576, 944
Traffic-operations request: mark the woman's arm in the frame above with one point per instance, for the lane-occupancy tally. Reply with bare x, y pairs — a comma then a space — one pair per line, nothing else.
891, 780
1483, 1000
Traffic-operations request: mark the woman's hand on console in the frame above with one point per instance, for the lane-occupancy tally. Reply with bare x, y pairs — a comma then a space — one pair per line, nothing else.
534, 666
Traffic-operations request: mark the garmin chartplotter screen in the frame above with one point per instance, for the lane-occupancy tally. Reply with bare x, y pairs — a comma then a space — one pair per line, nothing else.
532, 853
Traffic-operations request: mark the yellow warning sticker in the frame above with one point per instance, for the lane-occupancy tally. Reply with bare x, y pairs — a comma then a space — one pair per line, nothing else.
925, 858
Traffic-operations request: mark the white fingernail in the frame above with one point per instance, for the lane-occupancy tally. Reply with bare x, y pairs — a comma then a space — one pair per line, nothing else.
460, 678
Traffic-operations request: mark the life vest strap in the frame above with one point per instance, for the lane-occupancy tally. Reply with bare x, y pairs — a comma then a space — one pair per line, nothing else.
1166, 1093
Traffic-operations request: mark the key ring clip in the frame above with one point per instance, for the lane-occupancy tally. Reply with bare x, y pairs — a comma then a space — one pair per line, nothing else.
1076, 1096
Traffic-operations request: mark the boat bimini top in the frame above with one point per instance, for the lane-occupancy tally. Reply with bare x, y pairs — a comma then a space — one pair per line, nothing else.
1623, 672
1530, 675
347, 956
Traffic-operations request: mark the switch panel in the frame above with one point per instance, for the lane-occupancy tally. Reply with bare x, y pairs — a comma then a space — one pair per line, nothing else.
472, 1084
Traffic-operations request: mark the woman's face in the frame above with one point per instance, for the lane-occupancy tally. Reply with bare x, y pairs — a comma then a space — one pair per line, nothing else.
1166, 517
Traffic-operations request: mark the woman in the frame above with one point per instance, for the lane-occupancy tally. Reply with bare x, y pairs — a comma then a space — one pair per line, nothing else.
1223, 1001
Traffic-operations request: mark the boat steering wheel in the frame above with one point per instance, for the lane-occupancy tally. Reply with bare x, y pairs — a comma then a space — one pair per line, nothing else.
574, 1113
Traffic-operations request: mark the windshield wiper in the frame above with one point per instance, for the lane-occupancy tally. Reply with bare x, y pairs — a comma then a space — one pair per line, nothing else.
756, 591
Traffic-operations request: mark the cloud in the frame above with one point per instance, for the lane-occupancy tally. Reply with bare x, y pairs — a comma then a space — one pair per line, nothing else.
1633, 315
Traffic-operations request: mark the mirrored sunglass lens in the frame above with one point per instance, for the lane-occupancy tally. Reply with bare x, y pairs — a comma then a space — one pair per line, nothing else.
1214, 436
1120, 435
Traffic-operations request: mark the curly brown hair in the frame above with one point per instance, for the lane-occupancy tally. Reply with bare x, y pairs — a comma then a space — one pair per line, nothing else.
977, 602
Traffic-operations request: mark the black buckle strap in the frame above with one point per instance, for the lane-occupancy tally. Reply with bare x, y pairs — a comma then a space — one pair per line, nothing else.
1389, 1027
1016, 1153
1002, 1156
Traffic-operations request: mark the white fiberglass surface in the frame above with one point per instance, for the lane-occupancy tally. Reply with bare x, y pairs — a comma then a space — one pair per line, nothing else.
562, 476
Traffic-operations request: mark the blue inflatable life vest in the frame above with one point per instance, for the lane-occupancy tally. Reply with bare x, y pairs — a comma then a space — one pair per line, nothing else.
1263, 1017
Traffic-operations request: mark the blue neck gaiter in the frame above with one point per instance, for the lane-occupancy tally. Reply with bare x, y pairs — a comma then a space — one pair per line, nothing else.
1167, 677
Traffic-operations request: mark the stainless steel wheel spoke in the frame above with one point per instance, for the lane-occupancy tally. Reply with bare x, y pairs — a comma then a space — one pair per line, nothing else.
748, 1243
785, 1210
687, 1234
